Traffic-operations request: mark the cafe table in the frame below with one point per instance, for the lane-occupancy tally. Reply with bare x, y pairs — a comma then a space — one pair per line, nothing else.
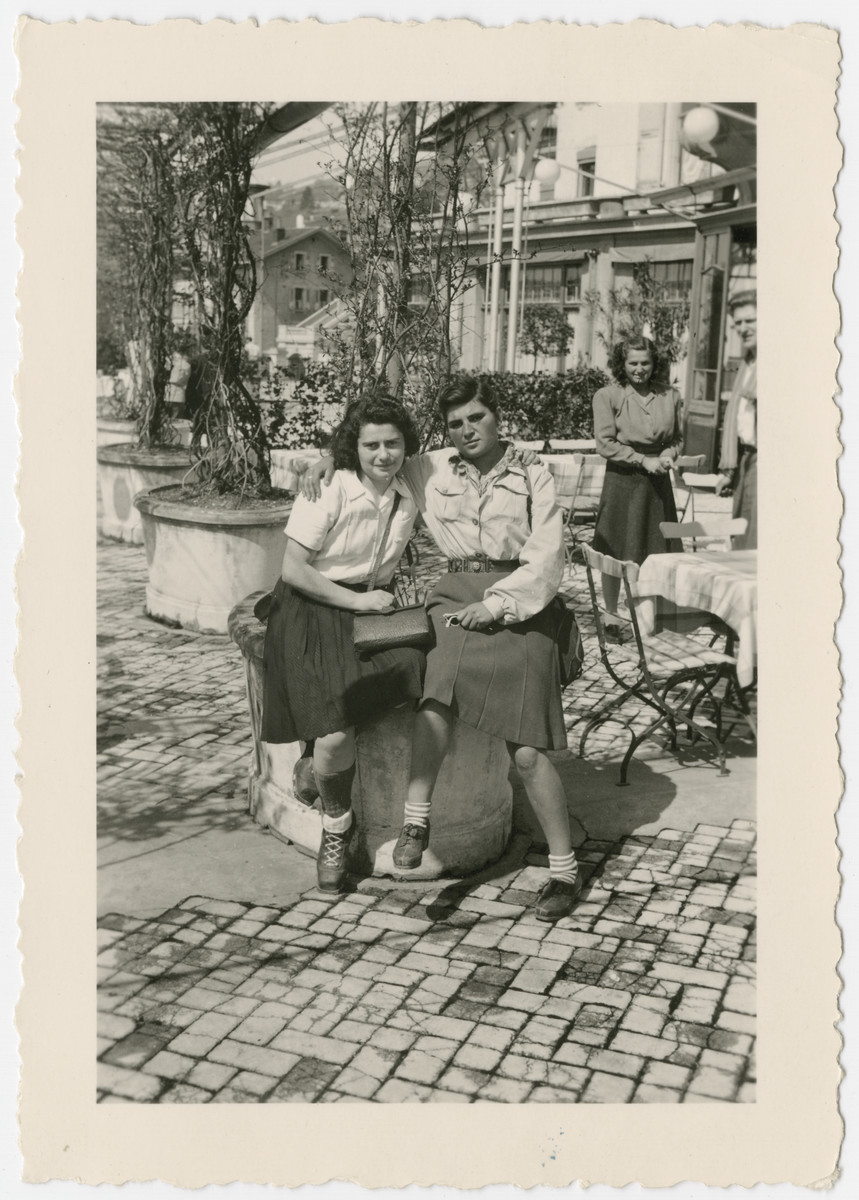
721, 582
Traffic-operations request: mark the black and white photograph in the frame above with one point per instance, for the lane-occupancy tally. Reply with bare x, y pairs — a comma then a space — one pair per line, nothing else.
422, 670
510, 349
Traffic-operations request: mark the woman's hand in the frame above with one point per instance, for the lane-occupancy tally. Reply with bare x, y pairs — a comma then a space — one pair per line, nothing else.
722, 481
654, 466
309, 477
474, 616
378, 601
528, 457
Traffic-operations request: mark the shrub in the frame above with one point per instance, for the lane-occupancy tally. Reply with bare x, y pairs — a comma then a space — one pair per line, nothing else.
548, 406
545, 330
297, 413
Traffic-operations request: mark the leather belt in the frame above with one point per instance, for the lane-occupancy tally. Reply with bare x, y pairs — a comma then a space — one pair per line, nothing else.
363, 587
481, 563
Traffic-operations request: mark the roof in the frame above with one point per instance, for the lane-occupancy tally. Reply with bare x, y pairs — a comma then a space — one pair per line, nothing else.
295, 237
480, 116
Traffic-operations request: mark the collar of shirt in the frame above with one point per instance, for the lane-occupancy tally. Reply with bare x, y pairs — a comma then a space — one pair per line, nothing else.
509, 461
630, 392
355, 488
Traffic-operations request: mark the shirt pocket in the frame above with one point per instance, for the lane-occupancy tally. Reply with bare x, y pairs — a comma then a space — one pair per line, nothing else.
509, 502
447, 500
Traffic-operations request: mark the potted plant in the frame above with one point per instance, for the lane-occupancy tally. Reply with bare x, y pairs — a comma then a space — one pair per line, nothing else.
137, 235
211, 540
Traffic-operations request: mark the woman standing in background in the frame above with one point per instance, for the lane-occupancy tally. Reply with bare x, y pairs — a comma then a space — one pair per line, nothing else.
638, 431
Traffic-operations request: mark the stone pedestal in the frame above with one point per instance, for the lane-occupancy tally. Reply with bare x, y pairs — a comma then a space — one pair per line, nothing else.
472, 803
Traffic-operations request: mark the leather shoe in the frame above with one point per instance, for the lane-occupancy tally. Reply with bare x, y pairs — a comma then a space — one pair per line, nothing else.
411, 843
331, 859
557, 898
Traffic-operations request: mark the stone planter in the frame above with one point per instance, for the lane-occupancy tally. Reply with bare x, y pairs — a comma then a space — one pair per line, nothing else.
472, 804
112, 432
203, 558
123, 471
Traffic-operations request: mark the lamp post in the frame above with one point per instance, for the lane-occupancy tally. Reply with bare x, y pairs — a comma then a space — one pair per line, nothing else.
522, 140
546, 170
498, 159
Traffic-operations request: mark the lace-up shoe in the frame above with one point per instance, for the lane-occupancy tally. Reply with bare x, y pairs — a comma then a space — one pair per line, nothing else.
331, 859
411, 843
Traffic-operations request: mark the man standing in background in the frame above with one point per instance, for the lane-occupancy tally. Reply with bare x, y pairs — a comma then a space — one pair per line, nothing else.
738, 458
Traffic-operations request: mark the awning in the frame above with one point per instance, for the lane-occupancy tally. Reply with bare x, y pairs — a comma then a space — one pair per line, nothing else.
286, 118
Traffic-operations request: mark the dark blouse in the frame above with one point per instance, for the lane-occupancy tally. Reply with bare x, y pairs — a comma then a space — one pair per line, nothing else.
629, 428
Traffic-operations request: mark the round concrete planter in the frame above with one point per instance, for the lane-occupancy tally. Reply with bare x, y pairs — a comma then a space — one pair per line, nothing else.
472, 803
123, 471
202, 559
113, 432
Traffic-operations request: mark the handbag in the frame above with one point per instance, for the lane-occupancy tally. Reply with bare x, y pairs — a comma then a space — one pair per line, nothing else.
568, 639
405, 626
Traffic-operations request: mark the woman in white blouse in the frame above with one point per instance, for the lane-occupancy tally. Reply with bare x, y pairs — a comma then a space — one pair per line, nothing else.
495, 665
316, 687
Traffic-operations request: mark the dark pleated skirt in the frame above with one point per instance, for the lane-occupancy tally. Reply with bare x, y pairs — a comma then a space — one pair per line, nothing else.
631, 506
504, 681
314, 681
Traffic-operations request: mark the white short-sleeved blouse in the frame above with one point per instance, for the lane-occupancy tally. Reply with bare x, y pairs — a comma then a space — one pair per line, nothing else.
345, 526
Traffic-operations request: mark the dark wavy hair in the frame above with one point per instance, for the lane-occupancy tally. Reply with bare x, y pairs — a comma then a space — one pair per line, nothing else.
463, 391
370, 410
636, 341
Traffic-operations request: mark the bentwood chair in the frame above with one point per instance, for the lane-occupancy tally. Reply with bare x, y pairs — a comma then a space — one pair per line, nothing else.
668, 672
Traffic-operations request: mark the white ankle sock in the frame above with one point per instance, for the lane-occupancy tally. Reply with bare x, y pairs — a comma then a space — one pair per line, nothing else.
564, 866
337, 824
417, 812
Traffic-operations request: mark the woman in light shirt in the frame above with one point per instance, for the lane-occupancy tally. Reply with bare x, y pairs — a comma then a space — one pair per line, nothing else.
638, 431
316, 687
495, 665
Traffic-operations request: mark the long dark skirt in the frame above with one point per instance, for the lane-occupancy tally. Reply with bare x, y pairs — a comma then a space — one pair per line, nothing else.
632, 504
315, 682
746, 499
504, 680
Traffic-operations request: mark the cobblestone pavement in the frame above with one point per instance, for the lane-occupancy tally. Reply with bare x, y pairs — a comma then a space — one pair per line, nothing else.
390, 992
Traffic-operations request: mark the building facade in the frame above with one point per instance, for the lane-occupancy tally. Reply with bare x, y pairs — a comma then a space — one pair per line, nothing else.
298, 274
604, 190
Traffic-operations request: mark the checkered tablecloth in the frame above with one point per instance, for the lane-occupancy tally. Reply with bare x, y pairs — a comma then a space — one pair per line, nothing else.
720, 582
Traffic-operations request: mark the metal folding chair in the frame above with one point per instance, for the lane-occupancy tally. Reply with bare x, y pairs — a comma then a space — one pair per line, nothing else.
697, 485
585, 445
714, 532
579, 488
671, 673
684, 464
